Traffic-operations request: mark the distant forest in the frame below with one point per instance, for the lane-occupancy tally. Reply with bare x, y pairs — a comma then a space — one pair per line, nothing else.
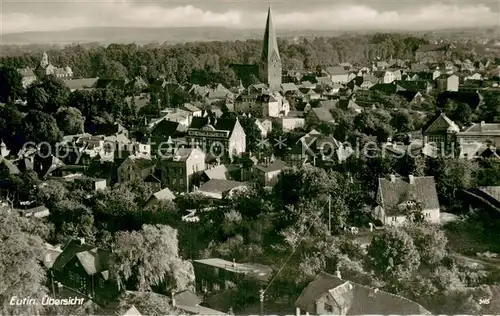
177, 62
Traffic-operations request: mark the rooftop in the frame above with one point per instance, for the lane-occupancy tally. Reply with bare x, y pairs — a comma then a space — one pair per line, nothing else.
259, 271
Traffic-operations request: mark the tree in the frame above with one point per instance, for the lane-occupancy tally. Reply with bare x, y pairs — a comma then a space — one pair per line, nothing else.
21, 274
430, 242
113, 70
393, 255
451, 175
11, 86
252, 132
41, 127
70, 121
402, 121
11, 122
149, 259
296, 183
48, 94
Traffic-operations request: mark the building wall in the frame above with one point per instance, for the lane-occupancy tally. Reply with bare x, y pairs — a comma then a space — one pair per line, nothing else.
340, 78
479, 137
100, 185
326, 305
291, 123
237, 141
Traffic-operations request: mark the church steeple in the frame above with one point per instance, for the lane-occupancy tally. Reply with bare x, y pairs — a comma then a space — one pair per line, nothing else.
270, 46
270, 63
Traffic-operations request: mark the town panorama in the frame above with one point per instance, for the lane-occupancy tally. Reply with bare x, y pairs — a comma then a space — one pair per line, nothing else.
352, 174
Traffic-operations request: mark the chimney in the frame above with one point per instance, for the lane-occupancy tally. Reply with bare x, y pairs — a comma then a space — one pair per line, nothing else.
411, 179
338, 275
234, 263
173, 299
393, 178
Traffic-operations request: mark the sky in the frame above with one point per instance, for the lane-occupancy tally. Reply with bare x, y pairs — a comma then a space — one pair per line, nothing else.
52, 15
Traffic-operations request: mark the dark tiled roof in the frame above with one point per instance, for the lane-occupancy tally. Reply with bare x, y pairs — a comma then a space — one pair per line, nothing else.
408, 95
356, 298
93, 259
104, 129
391, 194
323, 114
219, 124
168, 128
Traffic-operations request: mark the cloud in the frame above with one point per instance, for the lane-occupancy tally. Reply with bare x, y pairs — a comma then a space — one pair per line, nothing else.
59, 15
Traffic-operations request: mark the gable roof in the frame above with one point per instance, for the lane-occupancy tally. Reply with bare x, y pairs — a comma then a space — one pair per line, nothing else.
218, 172
391, 194
323, 114
273, 166
363, 299
440, 123
164, 195
132, 311
336, 71
92, 259
167, 128
219, 124
80, 84
220, 186
183, 154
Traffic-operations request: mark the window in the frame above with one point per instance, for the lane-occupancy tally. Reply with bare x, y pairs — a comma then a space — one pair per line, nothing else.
394, 218
328, 308
216, 287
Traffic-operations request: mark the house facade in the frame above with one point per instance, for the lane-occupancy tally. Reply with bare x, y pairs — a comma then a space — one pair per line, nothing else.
440, 130
397, 197
331, 295
178, 169
217, 137
135, 168
448, 82
484, 133
267, 173
84, 268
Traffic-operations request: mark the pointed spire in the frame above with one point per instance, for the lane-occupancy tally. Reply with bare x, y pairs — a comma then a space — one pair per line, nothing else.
270, 46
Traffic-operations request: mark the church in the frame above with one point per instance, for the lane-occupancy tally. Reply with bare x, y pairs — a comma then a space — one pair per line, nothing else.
269, 71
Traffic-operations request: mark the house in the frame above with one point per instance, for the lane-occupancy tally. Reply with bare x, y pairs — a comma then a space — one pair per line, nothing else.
179, 168
107, 130
273, 104
158, 197
387, 76
331, 295
265, 126
440, 130
388, 88
177, 115
84, 268
218, 137
294, 120
36, 212
484, 133
337, 74
214, 274
415, 85
220, 189
267, 173
28, 76
218, 172
192, 109
396, 196
189, 304
474, 76
447, 82
135, 168
289, 88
